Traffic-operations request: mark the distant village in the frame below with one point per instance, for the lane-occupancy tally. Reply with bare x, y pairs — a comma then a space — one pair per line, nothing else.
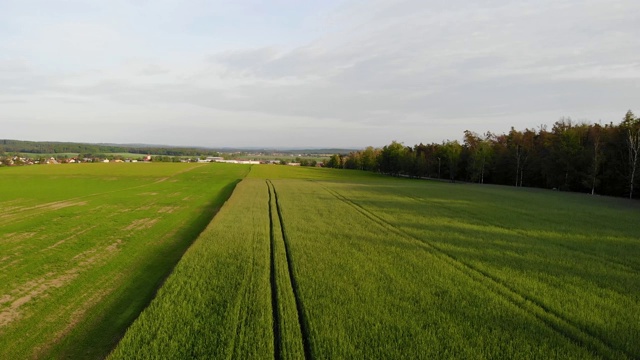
18, 160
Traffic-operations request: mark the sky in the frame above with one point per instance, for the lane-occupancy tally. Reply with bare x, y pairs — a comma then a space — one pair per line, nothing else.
331, 73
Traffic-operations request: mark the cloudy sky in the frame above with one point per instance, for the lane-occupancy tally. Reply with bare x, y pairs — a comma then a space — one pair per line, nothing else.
337, 73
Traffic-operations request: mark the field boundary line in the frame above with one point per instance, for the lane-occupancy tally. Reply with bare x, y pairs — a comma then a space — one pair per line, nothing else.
302, 319
499, 287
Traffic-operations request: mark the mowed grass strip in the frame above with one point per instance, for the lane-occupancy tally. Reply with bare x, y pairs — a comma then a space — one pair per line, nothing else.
76, 273
217, 301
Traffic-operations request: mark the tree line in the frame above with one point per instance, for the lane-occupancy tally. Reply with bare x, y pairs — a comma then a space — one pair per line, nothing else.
49, 147
570, 156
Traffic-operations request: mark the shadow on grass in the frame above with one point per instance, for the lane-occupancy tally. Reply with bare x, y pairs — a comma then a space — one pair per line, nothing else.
100, 333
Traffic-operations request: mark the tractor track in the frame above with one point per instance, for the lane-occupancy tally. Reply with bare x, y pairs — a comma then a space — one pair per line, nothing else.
275, 308
301, 317
555, 321
627, 266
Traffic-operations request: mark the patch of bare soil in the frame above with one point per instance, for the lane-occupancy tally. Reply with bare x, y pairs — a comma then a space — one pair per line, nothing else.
83, 304
140, 224
63, 204
6, 265
5, 299
16, 237
75, 231
114, 247
6, 207
56, 205
19, 297
38, 288
168, 209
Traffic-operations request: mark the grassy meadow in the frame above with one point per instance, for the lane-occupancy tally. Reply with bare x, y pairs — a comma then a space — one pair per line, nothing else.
83, 247
321, 263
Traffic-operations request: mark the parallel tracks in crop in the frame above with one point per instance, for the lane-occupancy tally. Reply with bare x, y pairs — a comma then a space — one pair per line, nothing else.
276, 220
501, 288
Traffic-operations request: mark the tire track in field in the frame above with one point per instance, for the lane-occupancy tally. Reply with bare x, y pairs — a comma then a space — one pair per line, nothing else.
302, 319
275, 308
596, 257
628, 266
555, 321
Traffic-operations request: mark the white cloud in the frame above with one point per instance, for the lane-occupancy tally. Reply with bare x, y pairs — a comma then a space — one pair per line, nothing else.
366, 73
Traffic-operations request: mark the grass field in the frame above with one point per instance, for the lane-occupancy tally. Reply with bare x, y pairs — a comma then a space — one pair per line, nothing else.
84, 247
322, 263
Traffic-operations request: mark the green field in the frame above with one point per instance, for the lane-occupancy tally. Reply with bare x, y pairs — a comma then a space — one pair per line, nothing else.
320, 263
309, 263
84, 247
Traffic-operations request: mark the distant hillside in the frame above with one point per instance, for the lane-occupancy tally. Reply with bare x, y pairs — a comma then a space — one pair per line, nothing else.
53, 147
285, 150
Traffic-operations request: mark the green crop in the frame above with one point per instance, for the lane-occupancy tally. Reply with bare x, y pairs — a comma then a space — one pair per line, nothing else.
357, 265
217, 301
83, 248
334, 264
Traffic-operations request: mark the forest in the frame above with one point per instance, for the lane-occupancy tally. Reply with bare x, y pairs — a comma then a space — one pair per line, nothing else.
570, 156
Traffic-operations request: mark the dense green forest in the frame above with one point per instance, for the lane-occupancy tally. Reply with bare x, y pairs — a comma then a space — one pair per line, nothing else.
581, 157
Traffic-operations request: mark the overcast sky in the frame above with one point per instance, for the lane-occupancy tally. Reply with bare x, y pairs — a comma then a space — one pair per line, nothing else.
310, 73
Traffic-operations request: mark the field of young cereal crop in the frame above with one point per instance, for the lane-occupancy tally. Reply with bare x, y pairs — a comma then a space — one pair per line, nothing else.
321, 263
83, 248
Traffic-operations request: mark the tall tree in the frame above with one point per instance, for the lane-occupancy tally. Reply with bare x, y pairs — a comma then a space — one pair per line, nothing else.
520, 145
335, 161
631, 125
353, 161
567, 150
369, 159
480, 153
408, 162
390, 158
595, 140
452, 150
